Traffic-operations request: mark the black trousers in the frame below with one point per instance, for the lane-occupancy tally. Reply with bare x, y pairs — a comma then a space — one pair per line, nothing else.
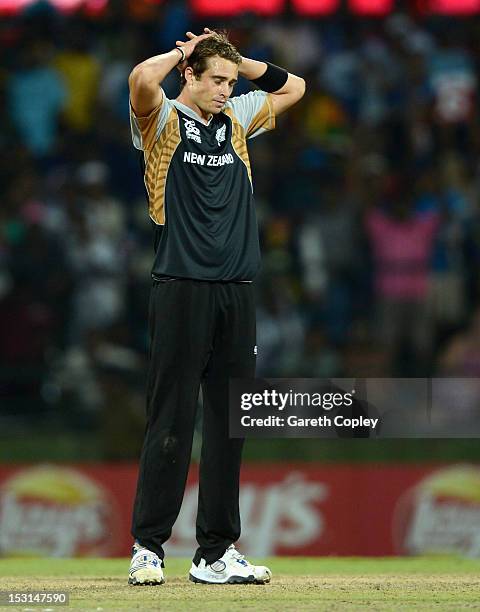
201, 333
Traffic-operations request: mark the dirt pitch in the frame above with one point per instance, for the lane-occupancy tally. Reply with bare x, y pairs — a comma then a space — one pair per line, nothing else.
298, 584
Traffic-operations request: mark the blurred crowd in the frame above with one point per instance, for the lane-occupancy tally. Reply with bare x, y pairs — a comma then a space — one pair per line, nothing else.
367, 197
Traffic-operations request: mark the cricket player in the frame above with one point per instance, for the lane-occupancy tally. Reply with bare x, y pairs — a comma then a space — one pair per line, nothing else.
202, 310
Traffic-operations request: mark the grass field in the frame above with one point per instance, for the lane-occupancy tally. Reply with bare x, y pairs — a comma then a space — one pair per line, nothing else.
436, 583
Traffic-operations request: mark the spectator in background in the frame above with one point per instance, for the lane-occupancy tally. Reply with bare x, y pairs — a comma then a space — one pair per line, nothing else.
96, 255
328, 250
401, 241
340, 70
380, 74
324, 121
80, 71
456, 197
112, 90
454, 83
35, 98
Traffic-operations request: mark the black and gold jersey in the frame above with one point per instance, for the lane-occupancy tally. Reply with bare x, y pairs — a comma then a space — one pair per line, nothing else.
199, 185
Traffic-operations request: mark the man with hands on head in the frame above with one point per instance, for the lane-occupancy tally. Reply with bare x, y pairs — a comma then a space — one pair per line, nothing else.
202, 311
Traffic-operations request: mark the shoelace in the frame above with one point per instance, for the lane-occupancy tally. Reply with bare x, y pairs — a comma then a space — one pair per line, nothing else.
149, 555
236, 554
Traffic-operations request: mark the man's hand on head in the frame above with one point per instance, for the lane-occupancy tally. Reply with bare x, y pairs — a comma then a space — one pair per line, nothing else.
189, 45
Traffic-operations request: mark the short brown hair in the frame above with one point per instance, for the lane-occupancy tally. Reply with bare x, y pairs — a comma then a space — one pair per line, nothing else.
217, 44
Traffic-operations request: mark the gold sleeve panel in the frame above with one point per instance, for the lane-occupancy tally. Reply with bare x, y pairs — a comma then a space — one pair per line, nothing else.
148, 127
157, 162
265, 118
239, 141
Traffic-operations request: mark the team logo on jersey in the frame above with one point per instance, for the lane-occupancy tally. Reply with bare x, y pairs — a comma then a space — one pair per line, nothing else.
220, 134
193, 133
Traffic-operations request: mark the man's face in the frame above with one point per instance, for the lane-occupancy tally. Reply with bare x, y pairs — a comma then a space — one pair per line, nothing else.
214, 86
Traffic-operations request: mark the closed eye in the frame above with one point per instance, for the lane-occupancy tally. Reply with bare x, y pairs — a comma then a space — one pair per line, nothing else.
232, 83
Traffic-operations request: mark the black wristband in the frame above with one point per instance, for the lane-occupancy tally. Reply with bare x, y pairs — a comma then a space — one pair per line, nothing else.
182, 53
273, 79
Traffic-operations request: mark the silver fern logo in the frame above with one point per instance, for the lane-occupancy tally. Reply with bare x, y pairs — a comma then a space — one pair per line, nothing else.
220, 135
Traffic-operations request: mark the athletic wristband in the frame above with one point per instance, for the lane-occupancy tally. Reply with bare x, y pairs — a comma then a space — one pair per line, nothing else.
182, 52
273, 79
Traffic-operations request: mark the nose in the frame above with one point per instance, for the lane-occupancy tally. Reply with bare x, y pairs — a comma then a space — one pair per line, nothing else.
224, 90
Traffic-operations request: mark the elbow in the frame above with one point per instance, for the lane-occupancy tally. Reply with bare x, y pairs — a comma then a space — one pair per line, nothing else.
138, 77
296, 87
301, 87
133, 77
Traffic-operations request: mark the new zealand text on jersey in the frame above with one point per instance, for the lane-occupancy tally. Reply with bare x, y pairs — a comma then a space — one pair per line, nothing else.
207, 160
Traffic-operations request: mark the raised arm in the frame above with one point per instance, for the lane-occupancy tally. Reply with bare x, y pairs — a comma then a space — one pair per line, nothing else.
285, 97
145, 79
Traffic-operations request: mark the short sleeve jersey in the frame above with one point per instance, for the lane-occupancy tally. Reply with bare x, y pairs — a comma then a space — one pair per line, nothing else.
199, 186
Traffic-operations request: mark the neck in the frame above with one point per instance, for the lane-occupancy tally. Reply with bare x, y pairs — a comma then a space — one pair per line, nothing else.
184, 98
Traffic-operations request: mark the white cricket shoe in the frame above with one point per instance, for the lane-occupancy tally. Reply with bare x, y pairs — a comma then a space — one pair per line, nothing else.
232, 568
145, 567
